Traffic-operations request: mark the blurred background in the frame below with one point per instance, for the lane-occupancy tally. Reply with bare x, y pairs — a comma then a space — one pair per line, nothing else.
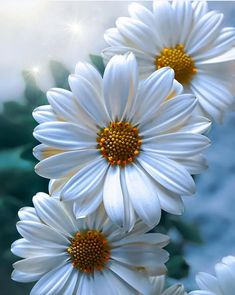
41, 41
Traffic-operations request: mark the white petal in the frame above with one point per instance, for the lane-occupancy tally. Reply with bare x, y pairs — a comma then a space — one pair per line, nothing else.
142, 194
63, 104
65, 163
147, 256
168, 173
212, 95
40, 264
200, 8
116, 203
85, 180
178, 144
194, 165
171, 114
158, 284
166, 24
89, 98
221, 45
204, 32
226, 278
184, 16
88, 204
50, 211
141, 13
44, 113
41, 234
223, 58
28, 213
90, 73
43, 151
113, 37
138, 33
134, 278
170, 202
86, 285
175, 290
53, 282
152, 93
121, 70
23, 277
63, 135
196, 124
26, 249
208, 282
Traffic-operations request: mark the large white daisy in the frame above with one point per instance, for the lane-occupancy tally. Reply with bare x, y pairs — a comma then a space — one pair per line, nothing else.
86, 256
221, 284
187, 37
158, 284
114, 140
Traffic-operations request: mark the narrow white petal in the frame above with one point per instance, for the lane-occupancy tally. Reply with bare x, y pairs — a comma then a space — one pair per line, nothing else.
184, 16
44, 113
40, 264
121, 70
168, 173
89, 98
65, 163
134, 278
138, 33
166, 24
28, 213
53, 282
142, 194
226, 278
194, 165
200, 8
85, 180
50, 211
170, 202
41, 234
171, 114
114, 38
204, 32
223, 58
90, 73
196, 124
141, 13
208, 282
178, 144
43, 151
23, 277
152, 93
63, 135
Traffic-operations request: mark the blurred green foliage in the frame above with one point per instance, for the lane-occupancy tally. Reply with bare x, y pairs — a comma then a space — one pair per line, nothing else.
18, 181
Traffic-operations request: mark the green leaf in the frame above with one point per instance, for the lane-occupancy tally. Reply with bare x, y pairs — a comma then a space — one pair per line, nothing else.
60, 74
98, 63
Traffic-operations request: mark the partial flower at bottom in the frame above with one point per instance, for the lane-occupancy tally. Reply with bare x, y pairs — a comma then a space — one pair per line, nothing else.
86, 256
158, 284
223, 283
127, 144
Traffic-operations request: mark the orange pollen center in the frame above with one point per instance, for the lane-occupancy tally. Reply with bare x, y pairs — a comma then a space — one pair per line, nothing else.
179, 61
89, 251
119, 143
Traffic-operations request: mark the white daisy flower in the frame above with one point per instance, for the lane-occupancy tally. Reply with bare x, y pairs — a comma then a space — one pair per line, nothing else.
223, 283
187, 37
116, 137
86, 256
158, 284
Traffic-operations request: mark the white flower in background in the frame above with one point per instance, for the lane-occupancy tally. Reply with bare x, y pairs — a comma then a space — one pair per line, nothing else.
159, 287
221, 284
121, 142
188, 38
86, 256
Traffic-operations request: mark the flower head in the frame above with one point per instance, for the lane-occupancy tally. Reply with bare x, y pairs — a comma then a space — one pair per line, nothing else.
187, 37
223, 283
131, 145
85, 256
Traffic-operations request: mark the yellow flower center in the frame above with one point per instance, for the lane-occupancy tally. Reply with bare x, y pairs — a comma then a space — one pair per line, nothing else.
119, 143
89, 251
179, 61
